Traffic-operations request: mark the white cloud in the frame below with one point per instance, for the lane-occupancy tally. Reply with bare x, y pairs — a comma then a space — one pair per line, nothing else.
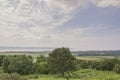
67, 5
106, 3
33, 20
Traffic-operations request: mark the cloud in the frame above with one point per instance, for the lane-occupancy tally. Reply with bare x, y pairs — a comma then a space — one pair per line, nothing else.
32, 22
67, 5
106, 3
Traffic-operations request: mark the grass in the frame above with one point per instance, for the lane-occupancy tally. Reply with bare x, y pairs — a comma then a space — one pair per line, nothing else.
83, 74
94, 57
33, 54
87, 74
87, 58
1, 70
44, 77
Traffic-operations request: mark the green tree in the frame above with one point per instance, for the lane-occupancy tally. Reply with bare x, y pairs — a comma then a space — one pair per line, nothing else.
21, 64
61, 60
6, 62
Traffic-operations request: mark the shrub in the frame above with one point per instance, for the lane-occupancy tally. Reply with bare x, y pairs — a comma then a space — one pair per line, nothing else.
12, 76
106, 64
1, 59
117, 68
20, 64
42, 68
41, 58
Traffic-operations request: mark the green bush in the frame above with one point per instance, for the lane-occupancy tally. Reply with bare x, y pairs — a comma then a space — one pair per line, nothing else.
1, 59
105, 64
117, 68
41, 58
12, 76
42, 68
108, 64
20, 64
85, 64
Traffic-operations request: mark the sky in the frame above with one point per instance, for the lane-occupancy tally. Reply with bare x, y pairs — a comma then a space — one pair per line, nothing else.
77, 24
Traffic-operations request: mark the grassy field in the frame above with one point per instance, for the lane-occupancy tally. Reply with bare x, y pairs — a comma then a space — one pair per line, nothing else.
83, 74
33, 54
94, 57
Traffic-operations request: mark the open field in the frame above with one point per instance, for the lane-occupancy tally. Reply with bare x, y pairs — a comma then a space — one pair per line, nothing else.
33, 54
94, 57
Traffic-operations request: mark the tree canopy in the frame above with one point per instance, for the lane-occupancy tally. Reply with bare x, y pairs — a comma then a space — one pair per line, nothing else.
20, 64
61, 60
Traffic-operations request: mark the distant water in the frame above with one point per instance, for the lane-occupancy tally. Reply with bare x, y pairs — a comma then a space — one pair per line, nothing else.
36, 49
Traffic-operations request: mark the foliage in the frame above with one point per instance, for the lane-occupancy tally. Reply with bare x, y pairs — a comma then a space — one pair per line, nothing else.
20, 64
12, 76
106, 64
85, 64
6, 63
117, 68
41, 58
1, 59
61, 60
42, 68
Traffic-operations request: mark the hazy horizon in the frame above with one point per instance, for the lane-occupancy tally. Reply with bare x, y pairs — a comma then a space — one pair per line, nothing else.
38, 49
76, 24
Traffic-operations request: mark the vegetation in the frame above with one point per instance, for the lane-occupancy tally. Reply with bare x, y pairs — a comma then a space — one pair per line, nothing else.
1, 59
41, 58
12, 76
98, 53
20, 64
42, 68
82, 74
59, 62
117, 68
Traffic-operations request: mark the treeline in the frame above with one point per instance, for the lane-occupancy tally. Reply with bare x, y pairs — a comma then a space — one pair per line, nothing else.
105, 64
97, 53
23, 64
